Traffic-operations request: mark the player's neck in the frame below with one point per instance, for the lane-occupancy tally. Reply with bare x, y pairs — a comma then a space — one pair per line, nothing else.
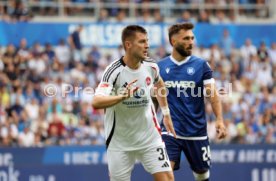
177, 56
131, 62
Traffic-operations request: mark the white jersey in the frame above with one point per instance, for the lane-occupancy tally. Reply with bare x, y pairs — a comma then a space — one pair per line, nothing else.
132, 123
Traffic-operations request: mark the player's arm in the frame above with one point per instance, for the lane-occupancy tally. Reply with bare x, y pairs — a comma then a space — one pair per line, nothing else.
103, 100
213, 96
161, 96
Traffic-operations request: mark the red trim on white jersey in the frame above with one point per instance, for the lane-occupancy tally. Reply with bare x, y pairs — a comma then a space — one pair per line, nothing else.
155, 72
103, 85
157, 126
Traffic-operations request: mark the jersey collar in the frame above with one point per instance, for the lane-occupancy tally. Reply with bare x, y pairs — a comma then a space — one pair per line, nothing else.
122, 61
181, 62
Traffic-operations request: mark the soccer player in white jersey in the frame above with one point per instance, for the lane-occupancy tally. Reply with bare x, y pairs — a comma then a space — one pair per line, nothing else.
131, 127
186, 76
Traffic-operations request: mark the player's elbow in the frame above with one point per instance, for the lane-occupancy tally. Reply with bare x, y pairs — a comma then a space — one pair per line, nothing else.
96, 103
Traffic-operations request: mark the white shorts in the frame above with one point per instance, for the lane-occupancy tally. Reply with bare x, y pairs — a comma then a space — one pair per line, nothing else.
121, 163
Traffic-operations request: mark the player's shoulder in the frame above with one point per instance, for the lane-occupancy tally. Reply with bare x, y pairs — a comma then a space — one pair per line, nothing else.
200, 62
197, 59
163, 61
149, 61
117, 62
113, 68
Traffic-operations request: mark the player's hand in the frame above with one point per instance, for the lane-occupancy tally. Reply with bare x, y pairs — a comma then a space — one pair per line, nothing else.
221, 130
167, 121
129, 90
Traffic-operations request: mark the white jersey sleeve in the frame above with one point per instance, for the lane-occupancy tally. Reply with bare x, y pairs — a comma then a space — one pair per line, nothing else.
110, 75
154, 70
156, 74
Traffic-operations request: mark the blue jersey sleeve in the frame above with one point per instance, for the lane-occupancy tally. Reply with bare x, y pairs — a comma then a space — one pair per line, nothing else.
207, 71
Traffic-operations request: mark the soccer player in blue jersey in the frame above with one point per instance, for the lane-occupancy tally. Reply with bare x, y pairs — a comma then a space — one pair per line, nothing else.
189, 79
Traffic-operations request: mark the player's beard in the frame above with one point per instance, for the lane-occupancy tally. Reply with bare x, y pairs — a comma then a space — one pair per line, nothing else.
184, 52
139, 57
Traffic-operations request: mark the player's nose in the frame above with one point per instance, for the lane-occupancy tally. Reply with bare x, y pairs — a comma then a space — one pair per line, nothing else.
147, 46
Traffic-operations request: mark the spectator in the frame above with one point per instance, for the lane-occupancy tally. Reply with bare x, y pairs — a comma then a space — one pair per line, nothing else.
118, 53
160, 53
262, 52
56, 127
32, 109
76, 45
46, 9
17, 98
38, 63
20, 12
49, 52
248, 50
9, 55
203, 17
264, 76
37, 48
121, 16
77, 73
26, 138
62, 52
4, 97
103, 16
185, 17
145, 17
213, 52
272, 53
23, 50
220, 17
157, 16
226, 43
95, 53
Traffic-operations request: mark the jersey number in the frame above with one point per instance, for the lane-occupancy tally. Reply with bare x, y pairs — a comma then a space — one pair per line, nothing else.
206, 155
163, 154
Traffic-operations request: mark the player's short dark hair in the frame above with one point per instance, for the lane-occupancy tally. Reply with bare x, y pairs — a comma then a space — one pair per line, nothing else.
174, 29
129, 32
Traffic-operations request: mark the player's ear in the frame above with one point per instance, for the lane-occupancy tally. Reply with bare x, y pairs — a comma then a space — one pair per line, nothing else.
173, 40
127, 44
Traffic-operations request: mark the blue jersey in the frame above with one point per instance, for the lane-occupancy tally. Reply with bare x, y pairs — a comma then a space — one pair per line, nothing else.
185, 82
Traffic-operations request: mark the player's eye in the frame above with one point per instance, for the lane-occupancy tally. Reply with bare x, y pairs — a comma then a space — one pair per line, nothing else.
189, 38
143, 41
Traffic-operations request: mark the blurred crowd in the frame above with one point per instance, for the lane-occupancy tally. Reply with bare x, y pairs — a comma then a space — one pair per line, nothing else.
246, 78
31, 114
46, 91
214, 11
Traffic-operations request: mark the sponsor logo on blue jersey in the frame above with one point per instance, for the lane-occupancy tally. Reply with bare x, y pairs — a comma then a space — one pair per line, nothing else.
180, 84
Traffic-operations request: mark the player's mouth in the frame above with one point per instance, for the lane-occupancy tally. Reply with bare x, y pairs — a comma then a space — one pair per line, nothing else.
190, 48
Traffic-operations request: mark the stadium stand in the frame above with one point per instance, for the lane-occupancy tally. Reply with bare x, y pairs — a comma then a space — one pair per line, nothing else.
28, 117
211, 11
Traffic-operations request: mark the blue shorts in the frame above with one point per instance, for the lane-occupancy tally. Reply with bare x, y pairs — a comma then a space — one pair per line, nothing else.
197, 152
